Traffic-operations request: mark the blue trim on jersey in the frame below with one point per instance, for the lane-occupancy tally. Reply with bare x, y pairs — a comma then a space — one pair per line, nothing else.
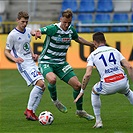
20, 68
21, 31
27, 75
14, 51
15, 54
100, 87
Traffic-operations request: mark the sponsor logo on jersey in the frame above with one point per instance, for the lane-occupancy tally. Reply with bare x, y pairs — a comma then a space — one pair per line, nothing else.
60, 39
26, 46
66, 39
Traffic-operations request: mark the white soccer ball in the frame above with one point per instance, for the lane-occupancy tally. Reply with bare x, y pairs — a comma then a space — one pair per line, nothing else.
46, 118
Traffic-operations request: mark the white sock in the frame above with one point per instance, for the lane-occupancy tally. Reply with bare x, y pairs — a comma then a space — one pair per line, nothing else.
38, 99
34, 98
96, 103
130, 96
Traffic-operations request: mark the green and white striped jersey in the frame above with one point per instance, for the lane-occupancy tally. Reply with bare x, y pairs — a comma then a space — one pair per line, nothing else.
56, 43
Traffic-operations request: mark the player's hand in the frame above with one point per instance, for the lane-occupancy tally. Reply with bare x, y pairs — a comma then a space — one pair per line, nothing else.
18, 60
38, 34
92, 44
77, 98
35, 57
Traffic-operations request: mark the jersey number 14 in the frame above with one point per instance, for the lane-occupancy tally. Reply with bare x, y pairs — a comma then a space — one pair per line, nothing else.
110, 59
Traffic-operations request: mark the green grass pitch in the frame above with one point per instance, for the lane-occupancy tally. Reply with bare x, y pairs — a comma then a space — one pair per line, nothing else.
116, 111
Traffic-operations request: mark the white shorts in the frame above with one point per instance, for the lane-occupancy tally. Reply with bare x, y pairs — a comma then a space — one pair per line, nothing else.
31, 75
121, 86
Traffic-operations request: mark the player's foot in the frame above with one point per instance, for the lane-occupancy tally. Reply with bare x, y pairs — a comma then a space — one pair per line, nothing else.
60, 106
98, 125
30, 115
84, 114
36, 117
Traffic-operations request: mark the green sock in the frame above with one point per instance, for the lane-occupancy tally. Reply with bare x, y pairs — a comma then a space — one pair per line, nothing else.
79, 103
52, 90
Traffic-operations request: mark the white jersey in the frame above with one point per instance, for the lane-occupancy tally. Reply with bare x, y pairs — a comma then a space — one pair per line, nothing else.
107, 61
19, 43
112, 76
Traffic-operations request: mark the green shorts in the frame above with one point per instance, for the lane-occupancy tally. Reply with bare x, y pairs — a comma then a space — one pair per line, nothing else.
63, 71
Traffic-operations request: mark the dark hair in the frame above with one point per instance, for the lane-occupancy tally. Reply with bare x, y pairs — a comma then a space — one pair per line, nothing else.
23, 14
99, 37
67, 13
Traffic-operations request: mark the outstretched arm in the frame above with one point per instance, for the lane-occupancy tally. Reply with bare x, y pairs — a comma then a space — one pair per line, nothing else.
84, 42
85, 81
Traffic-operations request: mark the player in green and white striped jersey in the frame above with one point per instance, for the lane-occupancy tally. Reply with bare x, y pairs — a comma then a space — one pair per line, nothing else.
52, 61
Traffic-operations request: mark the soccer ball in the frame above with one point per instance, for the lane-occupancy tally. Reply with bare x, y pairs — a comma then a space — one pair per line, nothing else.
46, 118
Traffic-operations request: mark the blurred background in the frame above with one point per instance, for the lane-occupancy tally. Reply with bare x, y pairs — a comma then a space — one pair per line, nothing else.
113, 17
89, 15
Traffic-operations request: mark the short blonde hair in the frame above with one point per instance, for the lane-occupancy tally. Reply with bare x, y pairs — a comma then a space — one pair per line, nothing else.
67, 13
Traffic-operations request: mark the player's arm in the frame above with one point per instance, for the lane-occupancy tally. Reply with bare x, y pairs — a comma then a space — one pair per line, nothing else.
84, 42
86, 77
34, 56
10, 56
129, 68
85, 81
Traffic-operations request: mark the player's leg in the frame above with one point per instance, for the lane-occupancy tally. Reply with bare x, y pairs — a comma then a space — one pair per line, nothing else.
67, 75
51, 78
96, 103
127, 92
47, 71
39, 91
76, 85
129, 96
34, 99
53, 93
34, 77
104, 89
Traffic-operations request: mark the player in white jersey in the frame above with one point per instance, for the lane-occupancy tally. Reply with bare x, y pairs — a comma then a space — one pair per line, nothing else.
18, 43
113, 79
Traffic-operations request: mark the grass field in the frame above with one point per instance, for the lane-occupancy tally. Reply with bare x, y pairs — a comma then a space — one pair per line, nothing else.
116, 111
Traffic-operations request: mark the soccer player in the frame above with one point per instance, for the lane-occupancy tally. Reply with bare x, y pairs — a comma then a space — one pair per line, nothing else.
18, 43
52, 61
113, 79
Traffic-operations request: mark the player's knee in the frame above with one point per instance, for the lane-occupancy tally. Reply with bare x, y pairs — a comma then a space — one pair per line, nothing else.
41, 84
77, 86
52, 80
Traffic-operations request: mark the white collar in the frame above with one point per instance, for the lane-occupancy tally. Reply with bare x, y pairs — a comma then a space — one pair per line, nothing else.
59, 25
